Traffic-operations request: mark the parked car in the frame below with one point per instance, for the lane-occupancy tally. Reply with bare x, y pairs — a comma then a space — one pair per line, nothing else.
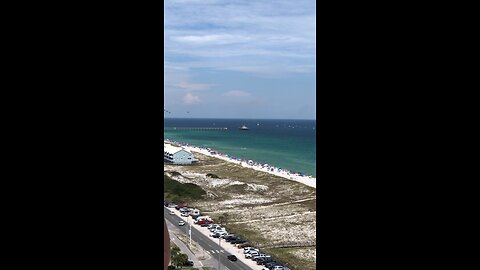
251, 254
276, 266
244, 245
213, 226
227, 235
238, 243
202, 221
271, 264
230, 239
188, 263
218, 235
180, 206
181, 223
260, 260
232, 258
217, 228
264, 260
220, 232
249, 249
261, 255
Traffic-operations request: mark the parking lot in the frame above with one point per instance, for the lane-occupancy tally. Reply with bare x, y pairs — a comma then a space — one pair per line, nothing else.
222, 244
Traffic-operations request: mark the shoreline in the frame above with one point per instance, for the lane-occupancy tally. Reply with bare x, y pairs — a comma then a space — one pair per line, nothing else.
306, 180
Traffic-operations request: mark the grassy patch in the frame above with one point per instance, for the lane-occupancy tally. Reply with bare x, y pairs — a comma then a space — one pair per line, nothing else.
287, 257
241, 230
181, 193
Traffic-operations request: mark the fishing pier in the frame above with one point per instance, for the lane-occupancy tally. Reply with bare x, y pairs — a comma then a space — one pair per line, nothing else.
196, 128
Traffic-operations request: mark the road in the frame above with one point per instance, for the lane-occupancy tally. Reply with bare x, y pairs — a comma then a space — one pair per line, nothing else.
208, 244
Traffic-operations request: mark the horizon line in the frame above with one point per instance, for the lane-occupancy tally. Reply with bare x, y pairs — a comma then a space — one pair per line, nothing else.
238, 118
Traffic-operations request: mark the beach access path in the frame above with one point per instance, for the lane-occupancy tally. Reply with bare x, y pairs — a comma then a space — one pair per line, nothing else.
306, 180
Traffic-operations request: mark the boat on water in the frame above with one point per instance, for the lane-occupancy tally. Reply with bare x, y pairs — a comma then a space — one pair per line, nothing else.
243, 127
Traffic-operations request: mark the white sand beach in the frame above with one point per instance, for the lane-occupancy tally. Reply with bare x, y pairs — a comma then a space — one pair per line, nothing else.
306, 180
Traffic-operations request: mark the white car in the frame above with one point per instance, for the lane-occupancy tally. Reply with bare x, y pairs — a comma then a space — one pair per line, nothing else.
172, 213
181, 223
261, 256
214, 227
249, 249
225, 235
220, 233
251, 254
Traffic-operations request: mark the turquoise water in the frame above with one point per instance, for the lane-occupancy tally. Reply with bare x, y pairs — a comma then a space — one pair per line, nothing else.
288, 144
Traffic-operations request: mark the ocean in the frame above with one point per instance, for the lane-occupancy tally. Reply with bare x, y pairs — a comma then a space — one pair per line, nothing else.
288, 144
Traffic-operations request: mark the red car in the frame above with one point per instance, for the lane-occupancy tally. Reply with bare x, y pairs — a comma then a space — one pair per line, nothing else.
204, 221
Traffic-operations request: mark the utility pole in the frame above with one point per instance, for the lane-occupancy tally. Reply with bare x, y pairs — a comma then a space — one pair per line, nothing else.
219, 239
190, 232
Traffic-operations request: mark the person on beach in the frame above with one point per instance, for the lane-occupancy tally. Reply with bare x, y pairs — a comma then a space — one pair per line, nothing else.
166, 246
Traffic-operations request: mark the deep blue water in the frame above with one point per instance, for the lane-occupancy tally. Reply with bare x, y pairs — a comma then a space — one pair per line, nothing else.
288, 144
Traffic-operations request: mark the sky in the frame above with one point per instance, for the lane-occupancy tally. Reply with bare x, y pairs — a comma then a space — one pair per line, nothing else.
252, 59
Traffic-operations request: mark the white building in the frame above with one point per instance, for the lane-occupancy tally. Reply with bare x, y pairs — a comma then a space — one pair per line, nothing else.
177, 155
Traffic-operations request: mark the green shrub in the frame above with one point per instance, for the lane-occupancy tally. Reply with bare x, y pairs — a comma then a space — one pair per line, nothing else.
181, 193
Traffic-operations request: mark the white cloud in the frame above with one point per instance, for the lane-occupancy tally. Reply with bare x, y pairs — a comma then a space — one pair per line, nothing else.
188, 86
242, 35
237, 94
190, 99
215, 39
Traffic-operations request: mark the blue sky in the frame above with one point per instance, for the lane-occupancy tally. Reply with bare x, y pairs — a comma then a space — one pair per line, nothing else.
240, 59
